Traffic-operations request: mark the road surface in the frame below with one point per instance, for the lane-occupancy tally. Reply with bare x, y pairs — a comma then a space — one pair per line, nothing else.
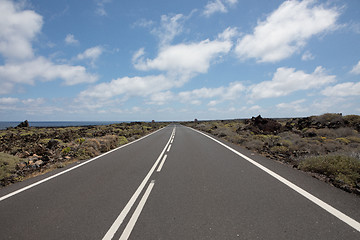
177, 183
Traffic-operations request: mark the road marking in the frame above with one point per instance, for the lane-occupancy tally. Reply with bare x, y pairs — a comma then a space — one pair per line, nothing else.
162, 163
130, 226
115, 226
169, 148
348, 220
70, 169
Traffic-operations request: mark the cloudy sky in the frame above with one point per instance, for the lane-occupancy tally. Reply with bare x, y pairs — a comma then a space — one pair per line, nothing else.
177, 60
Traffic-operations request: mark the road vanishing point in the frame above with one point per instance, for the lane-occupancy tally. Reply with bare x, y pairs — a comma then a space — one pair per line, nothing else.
177, 183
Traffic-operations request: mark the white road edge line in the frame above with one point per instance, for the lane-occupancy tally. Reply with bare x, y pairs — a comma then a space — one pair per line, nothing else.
115, 226
162, 163
348, 220
73, 168
130, 226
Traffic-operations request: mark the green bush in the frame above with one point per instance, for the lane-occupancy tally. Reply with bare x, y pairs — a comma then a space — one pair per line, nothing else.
353, 139
80, 140
279, 149
122, 140
66, 150
343, 140
344, 169
270, 140
86, 153
8, 165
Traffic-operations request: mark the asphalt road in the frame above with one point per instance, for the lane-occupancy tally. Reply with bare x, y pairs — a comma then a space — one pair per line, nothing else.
177, 184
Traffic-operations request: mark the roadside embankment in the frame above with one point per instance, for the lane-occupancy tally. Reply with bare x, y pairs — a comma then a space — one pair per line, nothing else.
28, 151
326, 146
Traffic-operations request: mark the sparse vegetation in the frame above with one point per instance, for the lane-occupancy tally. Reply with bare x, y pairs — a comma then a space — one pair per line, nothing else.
343, 171
326, 145
8, 165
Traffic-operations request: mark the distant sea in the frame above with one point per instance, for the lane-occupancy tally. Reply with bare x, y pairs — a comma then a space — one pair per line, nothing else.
4, 125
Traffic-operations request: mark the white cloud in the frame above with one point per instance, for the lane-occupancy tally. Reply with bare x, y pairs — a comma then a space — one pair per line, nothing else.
307, 56
6, 87
231, 2
161, 98
231, 92
331, 104
286, 30
18, 28
100, 10
213, 7
179, 63
218, 6
356, 69
255, 108
170, 27
293, 106
8, 100
138, 56
201, 93
213, 103
70, 40
287, 80
143, 23
42, 69
228, 34
33, 101
91, 53
342, 90
129, 86
184, 59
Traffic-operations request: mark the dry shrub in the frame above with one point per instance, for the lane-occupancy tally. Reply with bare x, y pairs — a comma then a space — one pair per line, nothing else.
236, 138
310, 132
92, 143
332, 146
8, 165
299, 144
345, 132
254, 144
326, 132
108, 142
314, 147
279, 149
86, 153
353, 139
222, 132
333, 119
290, 138
90, 148
204, 127
268, 140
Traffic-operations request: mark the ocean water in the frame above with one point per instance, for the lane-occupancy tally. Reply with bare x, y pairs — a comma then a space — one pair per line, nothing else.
4, 125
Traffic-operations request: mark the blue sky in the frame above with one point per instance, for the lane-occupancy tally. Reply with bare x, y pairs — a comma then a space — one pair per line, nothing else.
177, 60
